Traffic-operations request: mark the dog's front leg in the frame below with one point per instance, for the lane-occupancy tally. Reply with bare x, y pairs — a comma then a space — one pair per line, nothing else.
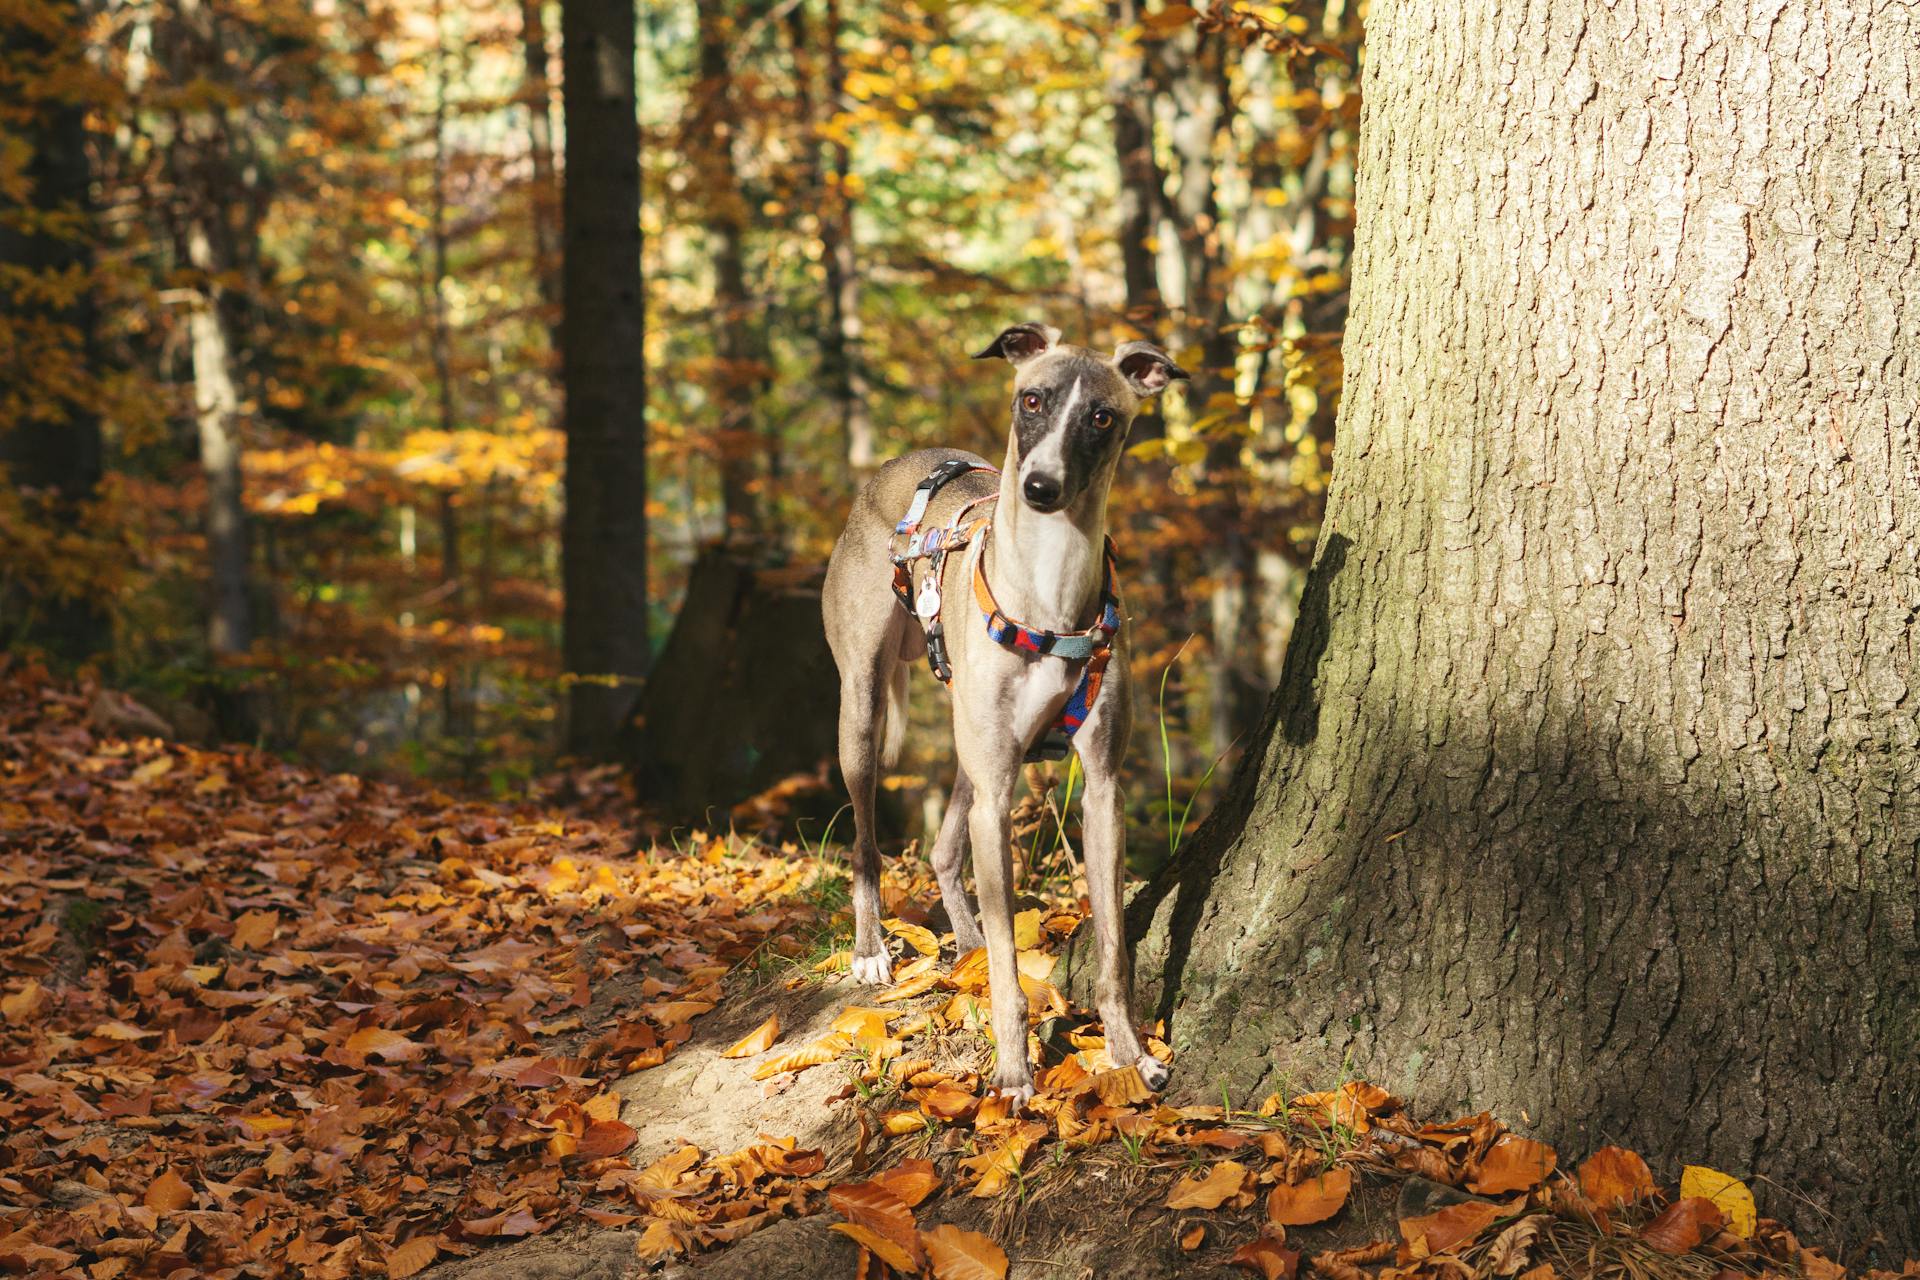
1104, 814
993, 874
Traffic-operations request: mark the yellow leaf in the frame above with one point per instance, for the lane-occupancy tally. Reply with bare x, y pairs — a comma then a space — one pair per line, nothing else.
835, 963
919, 938
823, 1050
909, 989
262, 1126
17, 1006
1221, 1183
957, 1254
757, 1041
116, 1030
153, 770
659, 1239
605, 1106
1026, 928
1729, 1195
860, 1022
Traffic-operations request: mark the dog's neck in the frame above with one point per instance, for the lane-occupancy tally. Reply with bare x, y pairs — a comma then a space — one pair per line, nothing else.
1045, 568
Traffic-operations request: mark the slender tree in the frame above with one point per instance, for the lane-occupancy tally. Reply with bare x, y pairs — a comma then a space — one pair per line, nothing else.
1592, 792
604, 531
50, 441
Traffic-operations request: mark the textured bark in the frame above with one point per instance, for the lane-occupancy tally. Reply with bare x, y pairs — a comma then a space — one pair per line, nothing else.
604, 532
1130, 92
538, 92
49, 438
739, 367
1590, 793
845, 367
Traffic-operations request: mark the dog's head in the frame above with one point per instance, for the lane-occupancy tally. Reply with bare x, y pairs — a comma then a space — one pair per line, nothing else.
1072, 407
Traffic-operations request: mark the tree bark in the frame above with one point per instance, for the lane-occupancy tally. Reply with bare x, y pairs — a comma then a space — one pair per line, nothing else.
604, 532
1131, 94
739, 367
1590, 794
841, 343
537, 91
50, 442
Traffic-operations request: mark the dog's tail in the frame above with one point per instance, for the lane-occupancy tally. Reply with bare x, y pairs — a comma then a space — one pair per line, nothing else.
893, 717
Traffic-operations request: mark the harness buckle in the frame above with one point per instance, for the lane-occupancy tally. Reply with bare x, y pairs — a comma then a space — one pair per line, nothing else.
1053, 745
937, 653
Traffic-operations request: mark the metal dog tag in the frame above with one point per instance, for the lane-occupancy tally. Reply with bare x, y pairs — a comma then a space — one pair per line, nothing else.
927, 603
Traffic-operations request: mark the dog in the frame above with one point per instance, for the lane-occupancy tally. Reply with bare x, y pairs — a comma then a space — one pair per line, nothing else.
1017, 611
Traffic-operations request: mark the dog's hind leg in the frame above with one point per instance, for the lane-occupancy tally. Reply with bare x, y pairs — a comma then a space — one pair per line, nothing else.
864, 690
950, 866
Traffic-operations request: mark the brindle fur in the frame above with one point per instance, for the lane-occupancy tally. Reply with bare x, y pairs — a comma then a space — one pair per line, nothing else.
1043, 560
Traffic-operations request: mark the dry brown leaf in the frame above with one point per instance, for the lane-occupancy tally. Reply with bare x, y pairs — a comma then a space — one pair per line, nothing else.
605, 1138
819, 1052
1447, 1229
168, 1193
1220, 1183
912, 1180
1273, 1260
378, 1042
1122, 1087
909, 989
18, 1006
756, 1041
957, 1254
1613, 1176
658, 1240
1314, 1200
998, 1167
1513, 1163
877, 1209
1683, 1226
880, 1246
414, 1256
1508, 1253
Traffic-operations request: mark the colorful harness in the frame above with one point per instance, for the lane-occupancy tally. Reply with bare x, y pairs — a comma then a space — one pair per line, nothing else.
1093, 645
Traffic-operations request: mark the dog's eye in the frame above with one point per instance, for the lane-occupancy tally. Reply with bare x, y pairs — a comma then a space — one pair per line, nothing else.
1103, 418
1031, 401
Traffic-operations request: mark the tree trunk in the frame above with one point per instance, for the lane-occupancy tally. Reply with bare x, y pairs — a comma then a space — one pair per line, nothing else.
739, 369
50, 440
1590, 794
537, 92
840, 345
216, 407
604, 532
1131, 94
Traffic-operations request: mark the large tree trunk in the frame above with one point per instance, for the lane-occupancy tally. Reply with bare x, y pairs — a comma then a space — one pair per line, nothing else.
1590, 794
604, 533
50, 442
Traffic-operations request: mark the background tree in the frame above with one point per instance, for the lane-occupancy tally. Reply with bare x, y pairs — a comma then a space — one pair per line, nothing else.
603, 366
50, 440
1590, 791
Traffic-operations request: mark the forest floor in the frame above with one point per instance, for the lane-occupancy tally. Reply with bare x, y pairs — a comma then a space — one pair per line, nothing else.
258, 1020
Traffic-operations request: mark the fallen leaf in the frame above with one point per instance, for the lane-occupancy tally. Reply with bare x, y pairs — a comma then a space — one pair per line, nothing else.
1447, 1229
1732, 1197
167, 1193
820, 1051
1682, 1226
1510, 1248
657, 1241
1273, 1260
909, 989
1026, 929
378, 1042
1513, 1163
957, 1254
605, 1138
1193, 1237
911, 1180
919, 938
17, 1006
1220, 1183
1615, 1175
886, 1250
1122, 1087
1314, 1200
255, 930
876, 1208
414, 1256
860, 1022
757, 1041
116, 1030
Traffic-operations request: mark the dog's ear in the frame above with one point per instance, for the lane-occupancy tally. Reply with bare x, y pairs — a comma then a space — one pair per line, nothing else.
1021, 342
1146, 367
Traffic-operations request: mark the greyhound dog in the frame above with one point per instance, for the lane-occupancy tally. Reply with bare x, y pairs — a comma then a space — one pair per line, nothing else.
1058, 674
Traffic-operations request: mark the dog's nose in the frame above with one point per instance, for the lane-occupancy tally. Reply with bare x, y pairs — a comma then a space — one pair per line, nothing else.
1041, 490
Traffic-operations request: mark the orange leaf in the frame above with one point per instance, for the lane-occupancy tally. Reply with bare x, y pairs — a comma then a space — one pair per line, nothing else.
863, 1023
1513, 1163
1273, 1260
879, 1210
1683, 1226
167, 1193
886, 1250
255, 929
911, 1180
1221, 1183
1193, 1237
379, 1042
17, 1006
605, 1138
909, 989
1121, 1087
413, 1256
757, 1041
956, 1254
1447, 1229
657, 1240
1314, 1200
1614, 1175
823, 1050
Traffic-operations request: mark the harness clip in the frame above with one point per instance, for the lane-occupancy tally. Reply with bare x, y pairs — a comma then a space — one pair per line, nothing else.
937, 654
927, 603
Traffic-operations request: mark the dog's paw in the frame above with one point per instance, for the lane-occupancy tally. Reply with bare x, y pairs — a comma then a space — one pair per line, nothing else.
874, 971
1155, 1072
1018, 1092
